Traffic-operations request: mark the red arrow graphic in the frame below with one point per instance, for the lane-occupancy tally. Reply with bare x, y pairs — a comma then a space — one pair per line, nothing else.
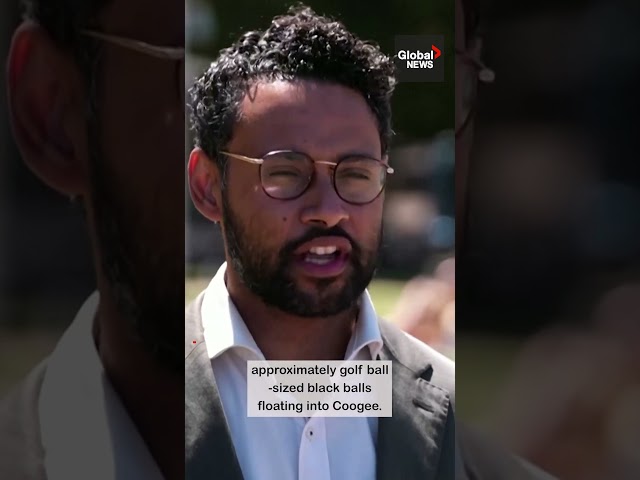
436, 50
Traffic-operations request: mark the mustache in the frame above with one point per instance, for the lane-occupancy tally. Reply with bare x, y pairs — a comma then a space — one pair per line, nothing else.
314, 233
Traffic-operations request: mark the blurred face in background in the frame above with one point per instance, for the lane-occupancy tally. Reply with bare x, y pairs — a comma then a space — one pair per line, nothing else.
124, 159
137, 188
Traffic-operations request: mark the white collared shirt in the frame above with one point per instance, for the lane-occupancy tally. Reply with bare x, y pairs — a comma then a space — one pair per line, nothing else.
86, 431
286, 448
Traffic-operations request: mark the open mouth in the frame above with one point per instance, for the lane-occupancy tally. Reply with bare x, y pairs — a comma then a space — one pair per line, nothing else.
322, 255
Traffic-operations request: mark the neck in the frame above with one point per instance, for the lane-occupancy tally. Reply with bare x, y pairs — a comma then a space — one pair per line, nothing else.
282, 336
152, 395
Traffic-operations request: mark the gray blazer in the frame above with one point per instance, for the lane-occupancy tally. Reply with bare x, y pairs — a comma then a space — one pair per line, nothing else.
416, 443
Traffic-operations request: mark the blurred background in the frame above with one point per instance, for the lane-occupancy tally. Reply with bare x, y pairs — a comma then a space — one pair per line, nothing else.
419, 216
45, 267
548, 306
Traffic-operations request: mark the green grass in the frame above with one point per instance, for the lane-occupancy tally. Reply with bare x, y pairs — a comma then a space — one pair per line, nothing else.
193, 286
482, 367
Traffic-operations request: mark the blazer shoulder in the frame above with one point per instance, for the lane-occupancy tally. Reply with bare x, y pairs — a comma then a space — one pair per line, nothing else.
20, 441
419, 357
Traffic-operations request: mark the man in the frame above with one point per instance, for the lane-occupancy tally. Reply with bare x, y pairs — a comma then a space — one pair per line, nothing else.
95, 90
292, 132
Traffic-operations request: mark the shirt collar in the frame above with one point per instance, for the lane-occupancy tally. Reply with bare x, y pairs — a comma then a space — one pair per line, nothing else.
86, 431
224, 328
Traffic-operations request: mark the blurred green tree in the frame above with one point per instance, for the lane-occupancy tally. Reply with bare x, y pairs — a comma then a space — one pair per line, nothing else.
420, 109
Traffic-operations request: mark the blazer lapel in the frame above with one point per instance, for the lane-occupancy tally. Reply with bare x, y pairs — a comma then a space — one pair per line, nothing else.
411, 442
209, 449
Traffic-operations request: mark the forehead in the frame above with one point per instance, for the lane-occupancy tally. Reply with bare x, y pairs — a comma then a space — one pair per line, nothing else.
146, 20
306, 115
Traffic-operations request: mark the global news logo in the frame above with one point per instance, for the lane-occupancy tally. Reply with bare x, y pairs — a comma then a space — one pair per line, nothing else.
420, 59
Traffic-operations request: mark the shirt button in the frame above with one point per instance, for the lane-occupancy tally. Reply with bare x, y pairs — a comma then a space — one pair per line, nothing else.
310, 434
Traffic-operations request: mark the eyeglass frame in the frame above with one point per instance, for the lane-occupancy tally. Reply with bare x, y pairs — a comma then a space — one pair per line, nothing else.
163, 52
484, 74
260, 161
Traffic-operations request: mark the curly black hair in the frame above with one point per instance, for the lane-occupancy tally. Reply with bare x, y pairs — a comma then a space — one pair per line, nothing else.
299, 44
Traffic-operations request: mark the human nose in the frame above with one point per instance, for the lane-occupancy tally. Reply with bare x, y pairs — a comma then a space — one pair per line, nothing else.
324, 206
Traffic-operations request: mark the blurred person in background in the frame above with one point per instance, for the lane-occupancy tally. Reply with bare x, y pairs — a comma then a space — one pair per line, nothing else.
96, 97
481, 456
571, 400
570, 404
426, 310
292, 131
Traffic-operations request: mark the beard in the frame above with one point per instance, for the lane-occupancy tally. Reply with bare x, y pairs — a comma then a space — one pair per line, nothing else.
145, 270
268, 276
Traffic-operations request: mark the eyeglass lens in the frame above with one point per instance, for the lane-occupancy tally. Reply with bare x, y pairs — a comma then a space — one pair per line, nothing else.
286, 175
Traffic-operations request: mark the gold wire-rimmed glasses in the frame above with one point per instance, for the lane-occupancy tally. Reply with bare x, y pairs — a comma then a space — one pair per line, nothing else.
167, 53
286, 175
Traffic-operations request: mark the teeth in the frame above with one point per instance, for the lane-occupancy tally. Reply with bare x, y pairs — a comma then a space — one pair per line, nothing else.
323, 250
318, 261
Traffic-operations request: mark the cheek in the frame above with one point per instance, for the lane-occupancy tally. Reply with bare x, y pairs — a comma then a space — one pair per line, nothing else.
368, 221
144, 148
268, 232
268, 221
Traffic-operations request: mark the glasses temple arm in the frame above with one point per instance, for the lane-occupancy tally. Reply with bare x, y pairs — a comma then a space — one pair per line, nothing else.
257, 161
